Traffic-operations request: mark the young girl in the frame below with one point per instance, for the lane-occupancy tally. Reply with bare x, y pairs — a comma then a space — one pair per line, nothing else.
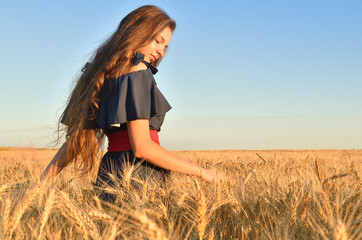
117, 96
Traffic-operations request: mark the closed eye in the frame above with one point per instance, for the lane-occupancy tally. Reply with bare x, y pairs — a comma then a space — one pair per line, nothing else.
160, 39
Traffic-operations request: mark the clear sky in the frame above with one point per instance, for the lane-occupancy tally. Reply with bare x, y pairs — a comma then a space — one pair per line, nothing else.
239, 74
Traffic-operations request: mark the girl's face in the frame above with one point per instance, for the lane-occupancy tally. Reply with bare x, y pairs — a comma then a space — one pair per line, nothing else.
157, 47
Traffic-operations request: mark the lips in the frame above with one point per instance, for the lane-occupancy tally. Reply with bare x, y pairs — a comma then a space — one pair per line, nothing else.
153, 58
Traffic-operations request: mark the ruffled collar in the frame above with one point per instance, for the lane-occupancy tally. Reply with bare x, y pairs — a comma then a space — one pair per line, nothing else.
139, 57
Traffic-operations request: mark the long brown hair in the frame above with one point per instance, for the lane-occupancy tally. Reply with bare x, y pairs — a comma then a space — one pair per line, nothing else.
111, 59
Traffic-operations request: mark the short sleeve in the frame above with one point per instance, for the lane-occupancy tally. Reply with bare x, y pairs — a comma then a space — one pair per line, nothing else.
134, 96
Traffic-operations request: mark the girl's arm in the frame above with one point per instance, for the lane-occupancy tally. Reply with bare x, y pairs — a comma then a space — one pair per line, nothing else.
58, 162
144, 148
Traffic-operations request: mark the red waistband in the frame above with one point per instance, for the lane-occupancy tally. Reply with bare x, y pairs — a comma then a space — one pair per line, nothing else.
119, 141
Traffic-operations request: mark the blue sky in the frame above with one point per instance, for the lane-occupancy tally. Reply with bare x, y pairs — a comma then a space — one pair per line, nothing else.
238, 74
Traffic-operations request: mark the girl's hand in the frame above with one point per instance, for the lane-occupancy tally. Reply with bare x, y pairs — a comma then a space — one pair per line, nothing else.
209, 175
58, 162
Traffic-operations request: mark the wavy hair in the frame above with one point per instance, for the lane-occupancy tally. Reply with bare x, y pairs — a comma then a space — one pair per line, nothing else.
112, 59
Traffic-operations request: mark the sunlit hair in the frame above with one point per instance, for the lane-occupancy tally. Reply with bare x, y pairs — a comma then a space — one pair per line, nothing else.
112, 59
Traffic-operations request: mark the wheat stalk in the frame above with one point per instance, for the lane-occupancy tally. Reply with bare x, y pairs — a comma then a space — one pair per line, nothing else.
303, 207
149, 226
316, 164
3, 187
221, 203
261, 158
181, 200
80, 218
99, 215
248, 176
339, 231
21, 209
6, 218
113, 232
325, 181
77, 220
58, 235
201, 217
48, 207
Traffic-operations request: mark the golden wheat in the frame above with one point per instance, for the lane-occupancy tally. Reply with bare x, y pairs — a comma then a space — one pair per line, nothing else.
19, 211
149, 226
48, 207
201, 213
274, 194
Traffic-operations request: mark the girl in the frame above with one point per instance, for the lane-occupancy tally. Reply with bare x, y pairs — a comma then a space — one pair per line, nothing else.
117, 96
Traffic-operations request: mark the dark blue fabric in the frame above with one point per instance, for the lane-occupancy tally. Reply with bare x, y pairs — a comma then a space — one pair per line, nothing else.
134, 96
139, 57
114, 163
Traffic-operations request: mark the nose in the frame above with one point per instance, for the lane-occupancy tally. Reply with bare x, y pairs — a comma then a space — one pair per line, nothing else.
160, 51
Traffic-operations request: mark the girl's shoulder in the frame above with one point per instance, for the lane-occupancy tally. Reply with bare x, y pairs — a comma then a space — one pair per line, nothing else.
137, 68
136, 80
137, 73
141, 68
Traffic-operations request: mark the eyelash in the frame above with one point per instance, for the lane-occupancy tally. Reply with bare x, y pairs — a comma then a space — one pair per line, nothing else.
159, 42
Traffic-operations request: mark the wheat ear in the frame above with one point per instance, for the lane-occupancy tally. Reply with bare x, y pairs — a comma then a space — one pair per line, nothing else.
150, 227
201, 213
6, 218
21, 209
48, 207
80, 218
340, 232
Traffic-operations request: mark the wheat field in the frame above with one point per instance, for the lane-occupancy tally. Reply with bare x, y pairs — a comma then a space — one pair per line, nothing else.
276, 194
